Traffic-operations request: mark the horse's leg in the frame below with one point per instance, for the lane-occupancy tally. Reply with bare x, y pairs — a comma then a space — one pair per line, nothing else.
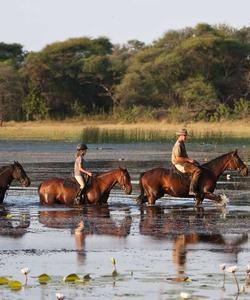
211, 196
198, 200
47, 199
2, 194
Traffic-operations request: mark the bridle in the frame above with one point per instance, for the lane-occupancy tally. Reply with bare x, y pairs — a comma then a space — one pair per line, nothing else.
239, 166
122, 181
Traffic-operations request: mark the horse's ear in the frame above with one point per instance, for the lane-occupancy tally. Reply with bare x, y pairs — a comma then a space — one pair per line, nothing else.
236, 151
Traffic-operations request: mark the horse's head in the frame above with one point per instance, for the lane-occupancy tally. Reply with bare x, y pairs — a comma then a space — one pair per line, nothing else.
19, 174
124, 181
235, 163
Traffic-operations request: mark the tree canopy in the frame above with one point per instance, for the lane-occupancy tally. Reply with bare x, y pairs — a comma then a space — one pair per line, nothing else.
200, 73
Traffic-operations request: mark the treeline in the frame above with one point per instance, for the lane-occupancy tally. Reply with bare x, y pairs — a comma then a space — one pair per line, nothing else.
200, 73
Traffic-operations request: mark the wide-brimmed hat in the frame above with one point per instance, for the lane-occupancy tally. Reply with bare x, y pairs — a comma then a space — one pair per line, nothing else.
183, 131
81, 147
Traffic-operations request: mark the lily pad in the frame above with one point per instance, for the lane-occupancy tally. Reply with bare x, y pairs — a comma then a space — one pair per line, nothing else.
4, 280
71, 278
14, 285
44, 278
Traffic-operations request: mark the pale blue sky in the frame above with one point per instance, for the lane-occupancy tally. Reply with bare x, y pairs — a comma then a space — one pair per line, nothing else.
36, 23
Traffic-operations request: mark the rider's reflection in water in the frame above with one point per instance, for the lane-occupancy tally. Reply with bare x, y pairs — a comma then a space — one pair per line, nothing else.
185, 228
14, 225
91, 220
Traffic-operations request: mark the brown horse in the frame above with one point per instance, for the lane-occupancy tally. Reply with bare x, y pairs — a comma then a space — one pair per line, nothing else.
157, 182
10, 172
56, 191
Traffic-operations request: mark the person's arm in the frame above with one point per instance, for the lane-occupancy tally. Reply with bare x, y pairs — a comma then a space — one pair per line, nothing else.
182, 160
83, 170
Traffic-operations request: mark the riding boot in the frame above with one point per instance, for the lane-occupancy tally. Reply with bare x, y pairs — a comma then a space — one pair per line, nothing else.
78, 199
194, 186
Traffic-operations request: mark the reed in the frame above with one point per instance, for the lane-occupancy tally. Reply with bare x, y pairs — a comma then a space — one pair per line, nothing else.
95, 131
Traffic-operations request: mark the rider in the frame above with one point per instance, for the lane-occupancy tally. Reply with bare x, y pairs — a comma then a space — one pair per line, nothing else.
79, 169
185, 164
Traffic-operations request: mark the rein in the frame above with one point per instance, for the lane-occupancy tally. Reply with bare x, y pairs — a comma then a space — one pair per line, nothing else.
5, 170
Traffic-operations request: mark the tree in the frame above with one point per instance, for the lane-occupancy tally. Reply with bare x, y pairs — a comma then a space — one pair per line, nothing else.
11, 93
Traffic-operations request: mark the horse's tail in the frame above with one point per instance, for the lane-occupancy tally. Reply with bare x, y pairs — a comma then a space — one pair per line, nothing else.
141, 197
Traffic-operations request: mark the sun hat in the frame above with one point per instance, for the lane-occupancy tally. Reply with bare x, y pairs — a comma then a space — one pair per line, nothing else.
183, 131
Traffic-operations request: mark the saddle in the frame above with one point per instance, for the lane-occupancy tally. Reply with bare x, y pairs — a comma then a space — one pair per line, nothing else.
176, 174
81, 194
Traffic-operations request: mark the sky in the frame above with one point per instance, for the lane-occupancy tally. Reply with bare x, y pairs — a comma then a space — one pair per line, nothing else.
36, 23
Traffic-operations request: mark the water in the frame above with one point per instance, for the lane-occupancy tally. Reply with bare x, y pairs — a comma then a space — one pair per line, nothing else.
160, 251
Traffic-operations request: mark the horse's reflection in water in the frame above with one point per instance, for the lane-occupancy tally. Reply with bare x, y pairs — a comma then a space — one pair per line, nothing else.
14, 226
185, 228
91, 220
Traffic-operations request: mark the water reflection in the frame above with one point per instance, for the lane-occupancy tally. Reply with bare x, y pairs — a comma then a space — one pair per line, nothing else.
90, 220
188, 227
14, 225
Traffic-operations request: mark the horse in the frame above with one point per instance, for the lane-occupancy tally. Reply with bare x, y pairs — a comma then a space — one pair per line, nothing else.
55, 190
159, 181
10, 172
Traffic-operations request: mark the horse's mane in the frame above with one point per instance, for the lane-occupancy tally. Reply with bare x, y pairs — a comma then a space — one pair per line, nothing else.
215, 160
98, 175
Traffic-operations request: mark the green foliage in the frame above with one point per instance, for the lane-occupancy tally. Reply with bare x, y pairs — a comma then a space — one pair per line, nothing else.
133, 114
34, 106
223, 112
241, 108
193, 74
11, 92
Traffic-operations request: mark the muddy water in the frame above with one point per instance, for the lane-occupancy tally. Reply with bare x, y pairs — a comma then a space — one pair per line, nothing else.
160, 251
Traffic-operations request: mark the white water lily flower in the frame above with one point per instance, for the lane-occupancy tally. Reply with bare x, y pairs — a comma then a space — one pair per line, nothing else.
60, 296
184, 295
223, 267
25, 271
232, 269
248, 268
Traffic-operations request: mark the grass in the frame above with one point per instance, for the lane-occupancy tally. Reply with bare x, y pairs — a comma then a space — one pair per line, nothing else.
97, 131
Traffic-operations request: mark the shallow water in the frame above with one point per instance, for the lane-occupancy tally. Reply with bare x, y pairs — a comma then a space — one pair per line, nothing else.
156, 248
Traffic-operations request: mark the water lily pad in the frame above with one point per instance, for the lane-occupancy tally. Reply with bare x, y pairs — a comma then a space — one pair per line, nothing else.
44, 278
4, 280
15, 285
8, 216
71, 278
86, 277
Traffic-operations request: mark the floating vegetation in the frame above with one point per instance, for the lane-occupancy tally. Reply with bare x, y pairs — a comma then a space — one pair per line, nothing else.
15, 285
44, 278
71, 278
4, 281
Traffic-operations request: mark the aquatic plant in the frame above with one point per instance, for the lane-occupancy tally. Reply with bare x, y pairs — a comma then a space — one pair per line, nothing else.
59, 296
223, 268
233, 269
247, 278
25, 271
185, 295
14, 285
44, 278
4, 280
114, 273
71, 278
